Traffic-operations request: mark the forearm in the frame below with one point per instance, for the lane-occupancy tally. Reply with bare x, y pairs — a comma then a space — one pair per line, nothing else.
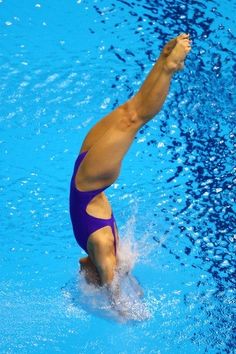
113, 291
106, 270
110, 281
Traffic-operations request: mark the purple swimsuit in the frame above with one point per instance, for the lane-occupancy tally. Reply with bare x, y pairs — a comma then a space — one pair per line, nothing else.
83, 223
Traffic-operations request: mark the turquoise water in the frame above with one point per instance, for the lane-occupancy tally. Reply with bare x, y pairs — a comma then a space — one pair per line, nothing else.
63, 66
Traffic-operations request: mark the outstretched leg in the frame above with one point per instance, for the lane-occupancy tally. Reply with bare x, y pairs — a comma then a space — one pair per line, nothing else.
102, 163
107, 122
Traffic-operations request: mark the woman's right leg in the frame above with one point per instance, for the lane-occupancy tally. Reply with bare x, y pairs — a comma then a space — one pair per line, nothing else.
98, 130
102, 163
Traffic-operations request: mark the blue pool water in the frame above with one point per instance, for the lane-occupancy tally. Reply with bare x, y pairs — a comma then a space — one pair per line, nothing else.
63, 65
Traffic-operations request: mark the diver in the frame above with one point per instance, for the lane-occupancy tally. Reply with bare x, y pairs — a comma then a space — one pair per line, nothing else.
99, 162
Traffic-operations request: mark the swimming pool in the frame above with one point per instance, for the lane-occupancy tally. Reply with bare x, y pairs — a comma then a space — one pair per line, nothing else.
64, 65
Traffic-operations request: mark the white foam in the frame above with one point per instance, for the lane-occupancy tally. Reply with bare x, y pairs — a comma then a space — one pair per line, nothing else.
134, 248
130, 304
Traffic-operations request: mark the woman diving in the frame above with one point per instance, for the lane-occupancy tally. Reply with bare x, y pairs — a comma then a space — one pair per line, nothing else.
99, 162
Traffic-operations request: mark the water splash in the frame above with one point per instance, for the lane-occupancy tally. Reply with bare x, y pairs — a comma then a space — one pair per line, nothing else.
131, 305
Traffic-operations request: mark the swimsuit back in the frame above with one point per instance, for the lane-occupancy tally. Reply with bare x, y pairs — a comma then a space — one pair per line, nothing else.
83, 223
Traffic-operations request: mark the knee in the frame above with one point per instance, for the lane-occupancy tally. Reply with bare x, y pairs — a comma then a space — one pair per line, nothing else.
130, 116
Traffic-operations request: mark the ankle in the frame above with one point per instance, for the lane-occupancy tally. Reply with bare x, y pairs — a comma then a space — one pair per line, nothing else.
170, 66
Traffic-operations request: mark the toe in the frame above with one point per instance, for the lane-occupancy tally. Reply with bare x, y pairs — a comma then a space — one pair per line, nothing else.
183, 36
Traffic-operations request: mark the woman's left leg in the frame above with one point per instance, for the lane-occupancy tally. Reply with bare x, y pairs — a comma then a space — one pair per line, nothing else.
98, 130
101, 165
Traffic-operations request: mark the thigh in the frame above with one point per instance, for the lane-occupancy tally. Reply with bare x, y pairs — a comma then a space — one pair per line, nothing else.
101, 164
98, 130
